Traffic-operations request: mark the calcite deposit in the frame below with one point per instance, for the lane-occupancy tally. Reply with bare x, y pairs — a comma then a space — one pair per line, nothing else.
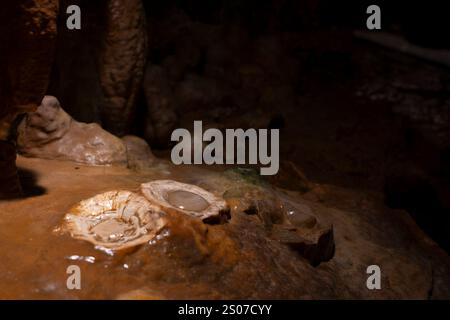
187, 199
115, 220
50, 133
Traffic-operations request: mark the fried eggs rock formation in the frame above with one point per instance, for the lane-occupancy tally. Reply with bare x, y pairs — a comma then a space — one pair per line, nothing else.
115, 220
187, 199
122, 219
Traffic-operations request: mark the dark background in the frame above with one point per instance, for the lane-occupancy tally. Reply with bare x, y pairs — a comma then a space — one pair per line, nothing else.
351, 113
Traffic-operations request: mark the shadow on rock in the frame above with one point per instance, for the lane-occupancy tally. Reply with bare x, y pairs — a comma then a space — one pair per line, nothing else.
28, 181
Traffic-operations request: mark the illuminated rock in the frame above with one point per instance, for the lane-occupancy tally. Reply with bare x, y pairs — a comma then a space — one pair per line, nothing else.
186, 198
50, 133
115, 220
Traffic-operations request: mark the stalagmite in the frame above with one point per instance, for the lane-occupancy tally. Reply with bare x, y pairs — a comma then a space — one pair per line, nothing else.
122, 62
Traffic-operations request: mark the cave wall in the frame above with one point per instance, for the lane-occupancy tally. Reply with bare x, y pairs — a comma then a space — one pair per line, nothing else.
28, 33
75, 78
27, 43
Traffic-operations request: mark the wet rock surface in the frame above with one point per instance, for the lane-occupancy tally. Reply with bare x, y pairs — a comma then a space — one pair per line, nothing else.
247, 257
347, 105
287, 222
187, 199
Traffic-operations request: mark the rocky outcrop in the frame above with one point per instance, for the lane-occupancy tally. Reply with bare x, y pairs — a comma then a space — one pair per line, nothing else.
50, 133
122, 62
287, 222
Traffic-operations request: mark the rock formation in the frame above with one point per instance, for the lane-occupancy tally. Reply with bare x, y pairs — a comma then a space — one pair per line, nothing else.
289, 223
122, 62
115, 220
139, 155
27, 43
186, 199
50, 133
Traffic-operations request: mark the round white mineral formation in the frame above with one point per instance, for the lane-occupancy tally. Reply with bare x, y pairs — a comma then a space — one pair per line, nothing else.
115, 220
185, 198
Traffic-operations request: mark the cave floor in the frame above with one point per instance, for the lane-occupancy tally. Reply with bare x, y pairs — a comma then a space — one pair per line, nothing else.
194, 260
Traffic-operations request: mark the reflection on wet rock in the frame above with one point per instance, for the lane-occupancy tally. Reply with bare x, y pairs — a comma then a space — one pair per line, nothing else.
186, 200
293, 224
299, 215
316, 245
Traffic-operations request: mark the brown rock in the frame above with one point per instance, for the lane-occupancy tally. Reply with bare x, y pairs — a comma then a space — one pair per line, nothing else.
122, 63
140, 294
138, 153
314, 244
300, 215
50, 133
290, 223
297, 228
27, 41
